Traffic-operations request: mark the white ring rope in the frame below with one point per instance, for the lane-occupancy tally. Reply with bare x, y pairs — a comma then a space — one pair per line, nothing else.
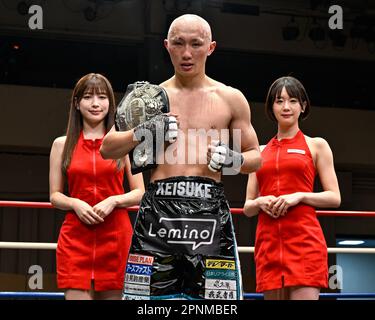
52, 246
330, 250
28, 245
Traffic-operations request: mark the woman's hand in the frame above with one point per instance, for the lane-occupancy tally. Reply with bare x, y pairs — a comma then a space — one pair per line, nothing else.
265, 204
280, 205
105, 207
85, 212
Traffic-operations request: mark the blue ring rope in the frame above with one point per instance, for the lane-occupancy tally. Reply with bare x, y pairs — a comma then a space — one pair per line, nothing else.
32, 295
247, 296
344, 295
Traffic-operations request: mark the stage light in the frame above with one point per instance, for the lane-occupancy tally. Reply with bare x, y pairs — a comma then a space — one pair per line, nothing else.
350, 242
291, 31
90, 14
316, 32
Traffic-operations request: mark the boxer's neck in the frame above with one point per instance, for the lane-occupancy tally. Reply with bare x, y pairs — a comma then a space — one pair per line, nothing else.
191, 82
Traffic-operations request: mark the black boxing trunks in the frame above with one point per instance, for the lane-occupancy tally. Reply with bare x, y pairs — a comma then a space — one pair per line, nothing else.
183, 246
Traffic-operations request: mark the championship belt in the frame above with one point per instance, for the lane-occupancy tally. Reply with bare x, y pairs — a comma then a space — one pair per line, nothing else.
142, 102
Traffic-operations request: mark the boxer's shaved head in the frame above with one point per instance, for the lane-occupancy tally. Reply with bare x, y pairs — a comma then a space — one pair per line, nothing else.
190, 22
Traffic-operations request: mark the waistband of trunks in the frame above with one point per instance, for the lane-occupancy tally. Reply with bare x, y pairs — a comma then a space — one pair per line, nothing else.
187, 186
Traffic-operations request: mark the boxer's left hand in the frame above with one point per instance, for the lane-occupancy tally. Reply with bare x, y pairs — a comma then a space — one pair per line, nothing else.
172, 128
219, 155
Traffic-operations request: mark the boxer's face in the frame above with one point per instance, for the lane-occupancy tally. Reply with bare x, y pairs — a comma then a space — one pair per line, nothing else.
286, 109
94, 106
188, 46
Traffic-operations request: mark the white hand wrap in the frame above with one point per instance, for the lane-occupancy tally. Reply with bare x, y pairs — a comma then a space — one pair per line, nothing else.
222, 156
172, 129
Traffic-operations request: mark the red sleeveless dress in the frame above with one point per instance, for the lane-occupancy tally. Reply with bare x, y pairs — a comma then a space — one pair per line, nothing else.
290, 250
93, 252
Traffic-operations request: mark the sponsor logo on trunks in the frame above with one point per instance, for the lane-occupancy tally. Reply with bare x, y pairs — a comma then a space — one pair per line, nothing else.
197, 233
138, 269
140, 259
220, 284
184, 231
296, 151
220, 264
136, 289
184, 189
134, 297
220, 274
138, 279
220, 294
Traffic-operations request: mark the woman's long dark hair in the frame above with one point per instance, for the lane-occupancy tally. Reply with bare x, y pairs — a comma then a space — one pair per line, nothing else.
90, 83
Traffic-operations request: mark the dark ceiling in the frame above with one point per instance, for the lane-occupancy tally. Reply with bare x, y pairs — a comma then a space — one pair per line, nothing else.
330, 82
52, 62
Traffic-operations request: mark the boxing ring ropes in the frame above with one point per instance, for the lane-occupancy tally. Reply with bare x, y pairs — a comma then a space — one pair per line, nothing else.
60, 295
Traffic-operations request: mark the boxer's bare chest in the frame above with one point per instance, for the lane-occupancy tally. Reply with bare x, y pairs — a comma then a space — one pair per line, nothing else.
202, 115
201, 109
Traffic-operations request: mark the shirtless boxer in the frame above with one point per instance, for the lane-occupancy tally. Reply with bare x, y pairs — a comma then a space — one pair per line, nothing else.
184, 244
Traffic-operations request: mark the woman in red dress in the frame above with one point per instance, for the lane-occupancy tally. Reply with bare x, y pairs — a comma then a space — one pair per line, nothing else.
290, 248
95, 237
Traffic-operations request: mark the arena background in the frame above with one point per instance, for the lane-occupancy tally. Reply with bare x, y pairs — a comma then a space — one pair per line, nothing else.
257, 41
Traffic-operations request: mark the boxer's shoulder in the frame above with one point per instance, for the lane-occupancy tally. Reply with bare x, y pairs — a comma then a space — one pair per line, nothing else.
168, 84
234, 99
225, 91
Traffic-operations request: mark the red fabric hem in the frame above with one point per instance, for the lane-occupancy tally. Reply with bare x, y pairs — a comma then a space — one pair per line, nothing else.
305, 282
99, 285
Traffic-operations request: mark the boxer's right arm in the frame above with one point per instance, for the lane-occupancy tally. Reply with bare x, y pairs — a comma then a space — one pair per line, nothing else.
241, 120
117, 144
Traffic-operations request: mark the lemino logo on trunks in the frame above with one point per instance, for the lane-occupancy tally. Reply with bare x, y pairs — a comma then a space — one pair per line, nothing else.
198, 235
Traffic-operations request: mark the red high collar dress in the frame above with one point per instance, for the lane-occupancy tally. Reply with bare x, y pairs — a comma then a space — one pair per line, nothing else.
93, 252
290, 250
